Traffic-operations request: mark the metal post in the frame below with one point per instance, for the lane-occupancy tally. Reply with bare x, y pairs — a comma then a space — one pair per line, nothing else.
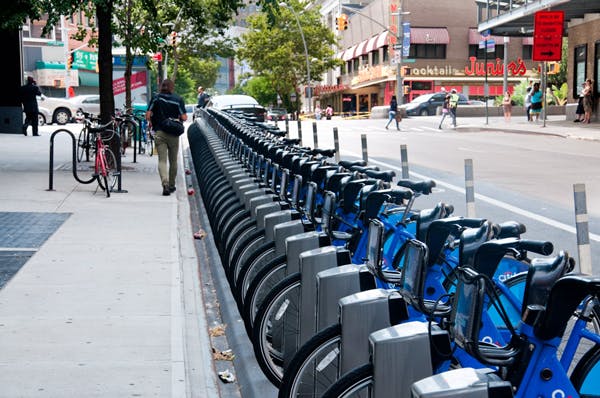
336, 144
287, 127
365, 155
399, 41
315, 135
505, 73
486, 88
582, 227
299, 130
404, 160
469, 188
544, 97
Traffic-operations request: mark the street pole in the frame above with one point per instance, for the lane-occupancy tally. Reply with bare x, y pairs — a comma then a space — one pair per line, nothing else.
65, 39
400, 44
485, 85
505, 73
309, 91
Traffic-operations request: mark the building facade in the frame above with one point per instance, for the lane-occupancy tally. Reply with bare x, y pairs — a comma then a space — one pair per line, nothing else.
443, 53
583, 54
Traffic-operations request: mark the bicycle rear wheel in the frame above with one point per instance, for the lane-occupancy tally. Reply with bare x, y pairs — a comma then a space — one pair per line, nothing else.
149, 145
111, 171
586, 376
83, 146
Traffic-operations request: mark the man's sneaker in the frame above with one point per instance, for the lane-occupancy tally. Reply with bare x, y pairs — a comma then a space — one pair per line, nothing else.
166, 190
172, 189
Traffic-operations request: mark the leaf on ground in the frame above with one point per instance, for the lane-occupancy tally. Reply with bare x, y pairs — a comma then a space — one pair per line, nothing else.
217, 331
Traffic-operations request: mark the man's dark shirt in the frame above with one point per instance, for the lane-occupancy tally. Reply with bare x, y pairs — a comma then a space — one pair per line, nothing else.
28, 94
164, 106
202, 100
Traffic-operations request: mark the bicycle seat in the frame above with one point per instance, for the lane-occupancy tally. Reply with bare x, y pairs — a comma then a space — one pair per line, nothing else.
565, 296
328, 153
470, 241
422, 187
374, 200
363, 169
386, 175
489, 254
440, 230
426, 217
349, 164
337, 181
511, 229
542, 275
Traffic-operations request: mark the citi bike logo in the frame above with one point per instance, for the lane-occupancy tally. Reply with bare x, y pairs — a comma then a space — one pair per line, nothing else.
559, 394
503, 277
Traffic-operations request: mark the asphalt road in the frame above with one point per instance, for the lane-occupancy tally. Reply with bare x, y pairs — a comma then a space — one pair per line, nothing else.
523, 177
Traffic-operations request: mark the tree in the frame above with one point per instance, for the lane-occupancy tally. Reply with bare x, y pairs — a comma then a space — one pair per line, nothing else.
274, 50
261, 88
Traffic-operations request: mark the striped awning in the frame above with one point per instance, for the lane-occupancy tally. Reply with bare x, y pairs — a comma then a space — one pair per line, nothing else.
429, 36
528, 41
349, 53
475, 37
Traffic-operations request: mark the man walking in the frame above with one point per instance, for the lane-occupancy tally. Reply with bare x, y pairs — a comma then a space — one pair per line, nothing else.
28, 94
164, 107
202, 97
453, 104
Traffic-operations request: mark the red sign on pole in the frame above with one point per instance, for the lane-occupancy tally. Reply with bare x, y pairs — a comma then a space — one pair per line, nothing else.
547, 35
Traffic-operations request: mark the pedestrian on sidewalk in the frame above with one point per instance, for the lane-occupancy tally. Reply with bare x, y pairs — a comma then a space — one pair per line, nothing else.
28, 96
579, 111
203, 97
507, 106
527, 103
536, 101
445, 110
393, 113
588, 101
453, 104
328, 112
166, 105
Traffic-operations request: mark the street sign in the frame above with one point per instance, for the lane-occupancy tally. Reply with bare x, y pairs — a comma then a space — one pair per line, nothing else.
547, 35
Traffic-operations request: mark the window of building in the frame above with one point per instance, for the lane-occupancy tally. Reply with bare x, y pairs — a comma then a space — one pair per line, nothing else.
427, 51
355, 64
375, 57
348, 66
579, 71
386, 54
364, 59
527, 51
475, 51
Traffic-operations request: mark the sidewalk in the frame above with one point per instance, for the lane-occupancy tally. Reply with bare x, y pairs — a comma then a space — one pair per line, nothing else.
555, 125
106, 301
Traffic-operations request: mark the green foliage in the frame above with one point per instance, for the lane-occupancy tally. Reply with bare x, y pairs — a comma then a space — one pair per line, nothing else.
186, 87
274, 50
261, 88
560, 95
561, 77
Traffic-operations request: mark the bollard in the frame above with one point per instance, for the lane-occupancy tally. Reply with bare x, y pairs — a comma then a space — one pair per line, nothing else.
365, 155
287, 128
583, 231
299, 130
404, 161
336, 144
469, 188
315, 137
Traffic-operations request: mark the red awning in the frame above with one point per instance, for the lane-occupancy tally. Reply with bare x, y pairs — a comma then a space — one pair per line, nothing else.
475, 37
361, 49
349, 53
382, 39
372, 43
429, 36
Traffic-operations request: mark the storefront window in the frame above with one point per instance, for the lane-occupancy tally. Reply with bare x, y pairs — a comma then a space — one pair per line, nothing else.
427, 51
527, 52
364, 59
597, 67
475, 51
355, 64
579, 72
386, 54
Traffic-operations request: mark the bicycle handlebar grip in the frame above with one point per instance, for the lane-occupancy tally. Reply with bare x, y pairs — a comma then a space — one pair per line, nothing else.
544, 248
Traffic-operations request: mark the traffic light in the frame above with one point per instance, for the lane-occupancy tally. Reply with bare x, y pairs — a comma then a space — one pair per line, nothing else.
173, 39
553, 68
70, 61
341, 22
406, 89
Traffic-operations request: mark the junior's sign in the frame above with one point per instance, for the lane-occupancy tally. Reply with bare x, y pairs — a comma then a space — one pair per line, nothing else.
495, 68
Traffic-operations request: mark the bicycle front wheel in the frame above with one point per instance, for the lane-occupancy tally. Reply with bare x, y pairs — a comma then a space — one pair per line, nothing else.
149, 145
112, 174
357, 383
586, 376
275, 333
315, 366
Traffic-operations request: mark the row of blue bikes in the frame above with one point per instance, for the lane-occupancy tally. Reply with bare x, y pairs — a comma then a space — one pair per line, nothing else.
348, 289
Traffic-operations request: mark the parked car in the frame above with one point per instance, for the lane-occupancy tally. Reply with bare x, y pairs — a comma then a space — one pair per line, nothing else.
238, 103
277, 114
427, 104
62, 110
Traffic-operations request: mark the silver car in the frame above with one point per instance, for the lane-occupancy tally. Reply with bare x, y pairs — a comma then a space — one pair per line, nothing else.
62, 110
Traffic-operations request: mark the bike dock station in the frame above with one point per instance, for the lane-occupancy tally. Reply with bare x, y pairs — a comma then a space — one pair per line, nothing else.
323, 307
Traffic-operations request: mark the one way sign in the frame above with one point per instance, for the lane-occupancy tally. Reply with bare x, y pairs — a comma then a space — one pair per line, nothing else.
547, 35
